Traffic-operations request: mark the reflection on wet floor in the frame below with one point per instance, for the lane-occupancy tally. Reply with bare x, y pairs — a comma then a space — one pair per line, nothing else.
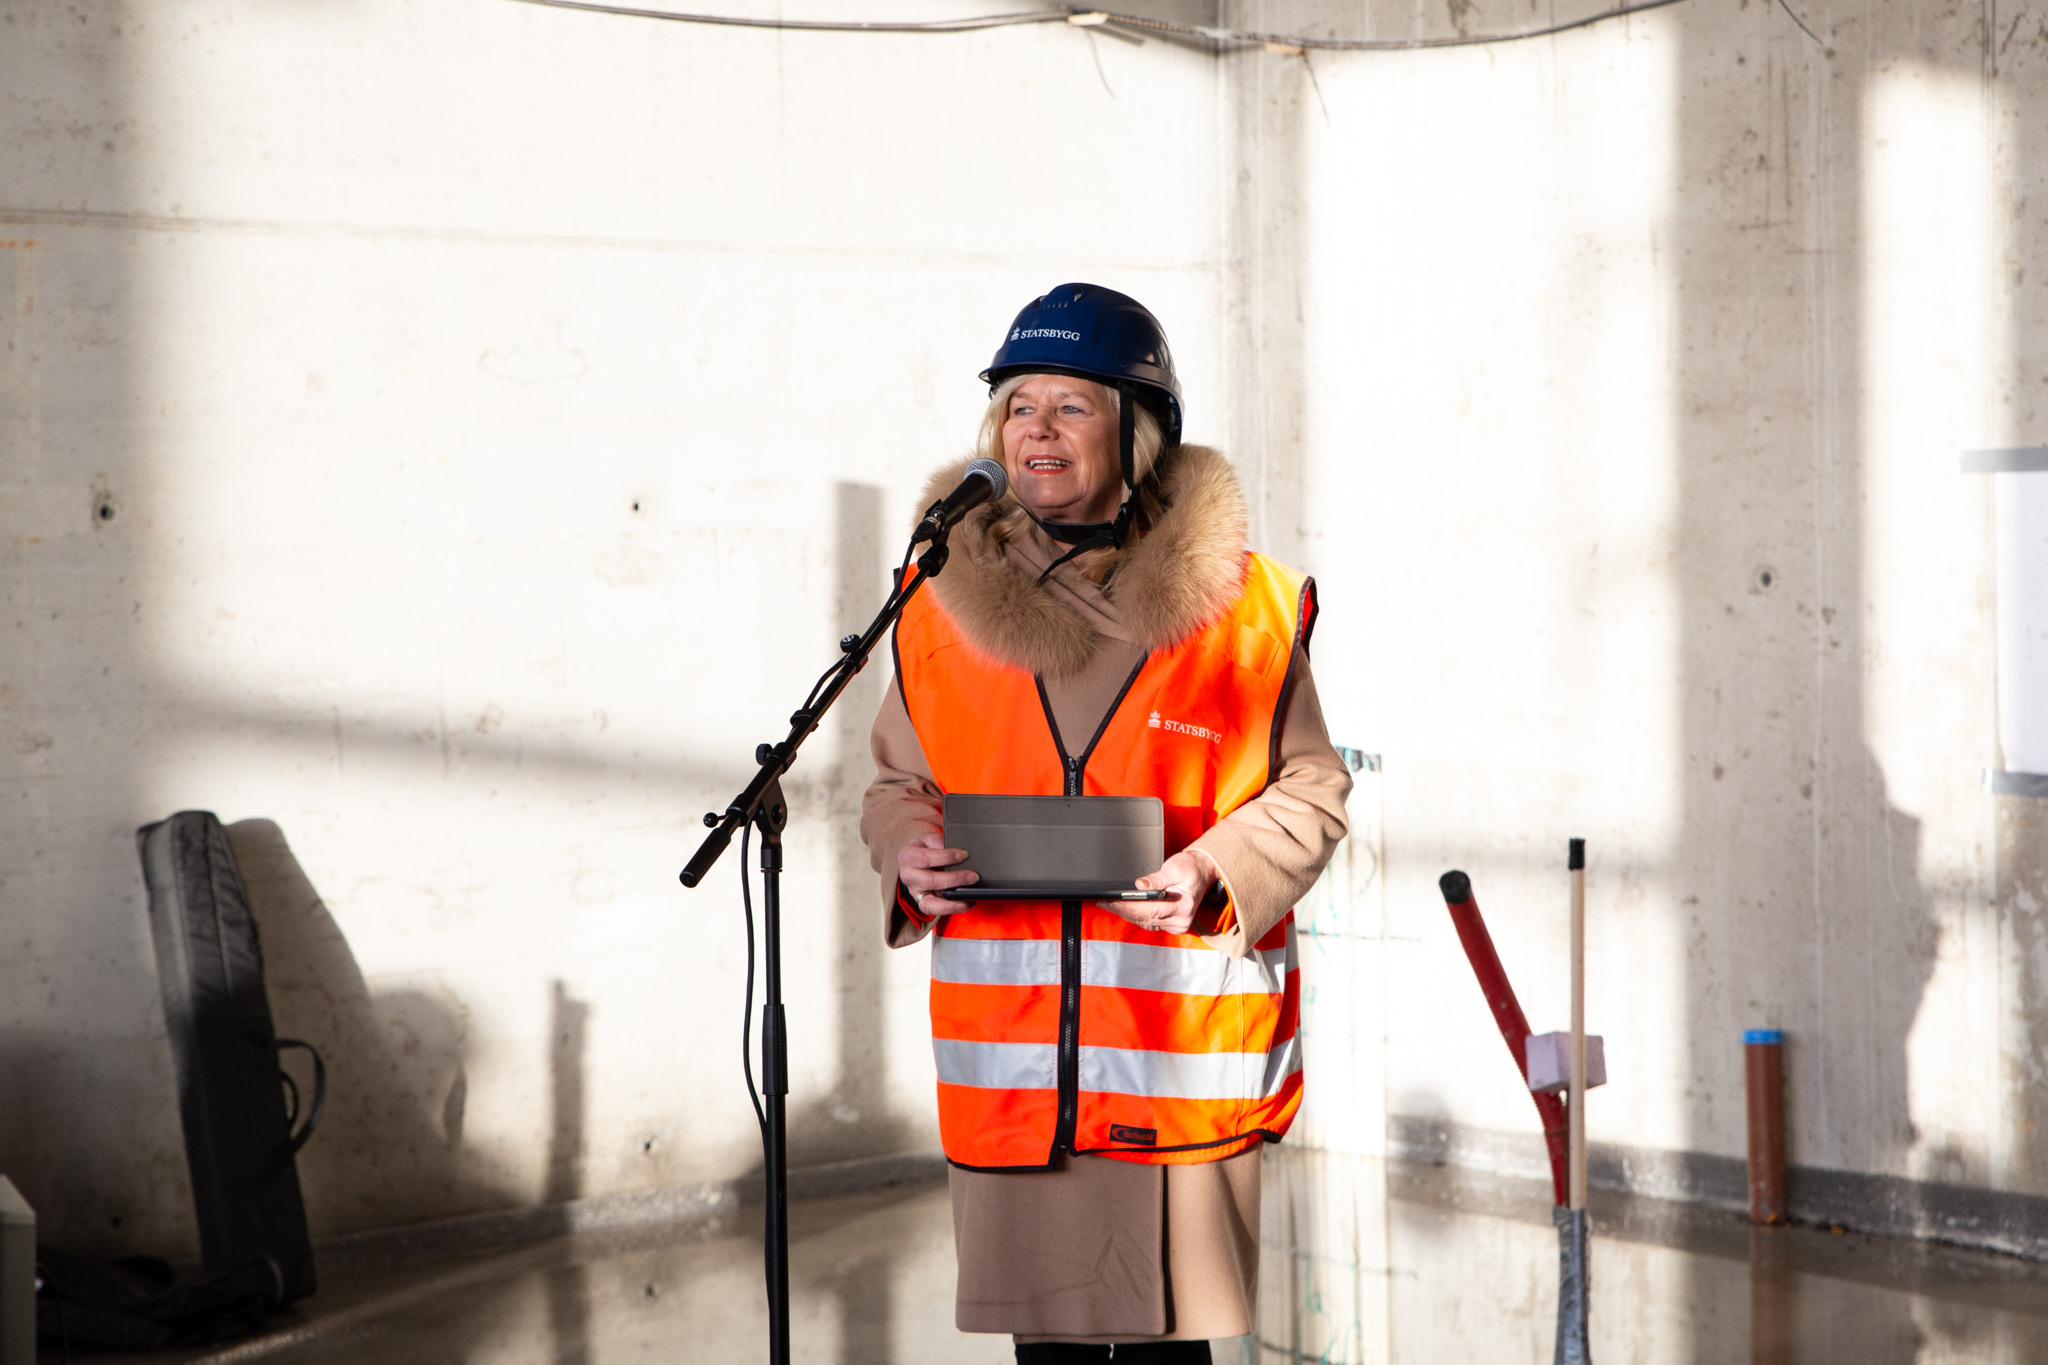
1373, 1262
1365, 1262
872, 1280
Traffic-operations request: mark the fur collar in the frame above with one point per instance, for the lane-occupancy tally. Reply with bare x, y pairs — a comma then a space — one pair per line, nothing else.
1168, 584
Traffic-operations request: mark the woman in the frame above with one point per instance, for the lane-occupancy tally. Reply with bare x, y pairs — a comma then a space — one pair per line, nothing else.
1107, 1073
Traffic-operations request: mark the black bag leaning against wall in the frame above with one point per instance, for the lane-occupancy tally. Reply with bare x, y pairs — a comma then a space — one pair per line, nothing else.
239, 1141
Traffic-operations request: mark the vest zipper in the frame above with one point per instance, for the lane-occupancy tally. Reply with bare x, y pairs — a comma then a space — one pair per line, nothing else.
1069, 1071
1070, 1025
1070, 1001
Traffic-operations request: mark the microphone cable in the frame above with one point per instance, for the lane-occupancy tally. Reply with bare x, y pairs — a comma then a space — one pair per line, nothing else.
747, 1010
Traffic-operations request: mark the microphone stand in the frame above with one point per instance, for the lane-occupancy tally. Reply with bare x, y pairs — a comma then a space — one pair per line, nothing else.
761, 803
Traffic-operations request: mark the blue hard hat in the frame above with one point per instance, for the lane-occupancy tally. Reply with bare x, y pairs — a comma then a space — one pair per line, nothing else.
1096, 333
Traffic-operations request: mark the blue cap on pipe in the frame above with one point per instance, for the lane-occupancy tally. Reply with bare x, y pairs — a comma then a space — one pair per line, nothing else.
1763, 1035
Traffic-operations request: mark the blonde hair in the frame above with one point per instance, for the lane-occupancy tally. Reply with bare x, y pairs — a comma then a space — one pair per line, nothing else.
1146, 442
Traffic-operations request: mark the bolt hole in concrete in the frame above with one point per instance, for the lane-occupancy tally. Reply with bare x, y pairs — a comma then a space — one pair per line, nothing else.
103, 505
1764, 579
1363, 1262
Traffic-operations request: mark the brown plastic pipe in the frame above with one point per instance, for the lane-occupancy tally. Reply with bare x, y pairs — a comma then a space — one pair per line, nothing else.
1764, 1073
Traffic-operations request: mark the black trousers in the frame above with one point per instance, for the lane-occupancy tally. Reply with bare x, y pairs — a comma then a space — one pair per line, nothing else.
1129, 1352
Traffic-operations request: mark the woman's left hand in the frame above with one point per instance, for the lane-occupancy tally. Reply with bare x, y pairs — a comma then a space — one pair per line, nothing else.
1188, 874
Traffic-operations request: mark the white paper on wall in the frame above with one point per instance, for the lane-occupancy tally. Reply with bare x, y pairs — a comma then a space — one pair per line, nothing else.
2022, 499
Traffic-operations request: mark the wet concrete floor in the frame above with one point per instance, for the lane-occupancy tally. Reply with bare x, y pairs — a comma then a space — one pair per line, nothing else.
1365, 1263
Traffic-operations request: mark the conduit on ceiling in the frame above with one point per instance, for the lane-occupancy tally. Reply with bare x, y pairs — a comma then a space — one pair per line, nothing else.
1291, 44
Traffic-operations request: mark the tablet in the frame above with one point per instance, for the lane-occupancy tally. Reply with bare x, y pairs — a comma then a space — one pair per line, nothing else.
1056, 848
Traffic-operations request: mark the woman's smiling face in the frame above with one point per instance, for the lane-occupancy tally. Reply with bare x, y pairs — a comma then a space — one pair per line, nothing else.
1060, 448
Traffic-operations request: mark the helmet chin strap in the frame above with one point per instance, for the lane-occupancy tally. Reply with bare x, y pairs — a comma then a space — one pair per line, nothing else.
1127, 437
1095, 535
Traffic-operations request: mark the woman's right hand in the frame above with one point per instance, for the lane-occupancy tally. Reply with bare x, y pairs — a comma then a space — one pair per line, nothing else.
921, 867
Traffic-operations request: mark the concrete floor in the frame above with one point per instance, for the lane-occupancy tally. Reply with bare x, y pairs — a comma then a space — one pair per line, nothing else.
1365, 1262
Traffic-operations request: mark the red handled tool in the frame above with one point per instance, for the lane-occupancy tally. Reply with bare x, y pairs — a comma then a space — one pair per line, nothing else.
1507, 1012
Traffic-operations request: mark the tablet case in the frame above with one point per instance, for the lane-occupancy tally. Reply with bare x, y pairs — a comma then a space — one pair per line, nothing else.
231, 1090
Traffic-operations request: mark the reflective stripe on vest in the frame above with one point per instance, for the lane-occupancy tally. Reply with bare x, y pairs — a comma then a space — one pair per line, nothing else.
1159, 1048
1122, 1070
1132, 966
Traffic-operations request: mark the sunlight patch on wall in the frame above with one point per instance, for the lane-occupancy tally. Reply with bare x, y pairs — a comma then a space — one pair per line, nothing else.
1488, 345
1491, 443
1929, 243
1928, 252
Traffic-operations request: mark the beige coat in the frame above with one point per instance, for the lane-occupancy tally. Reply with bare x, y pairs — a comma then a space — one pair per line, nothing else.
1102, 1249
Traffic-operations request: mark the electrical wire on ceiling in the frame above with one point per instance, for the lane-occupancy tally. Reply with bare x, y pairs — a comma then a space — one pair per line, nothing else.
969, 25
1293, 44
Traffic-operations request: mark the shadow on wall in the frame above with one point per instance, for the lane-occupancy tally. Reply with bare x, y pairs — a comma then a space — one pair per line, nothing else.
1266, 243
568, 1046
1800, 879
51, 1087
88, 1112
853, 1118
390, 1149
2022, 822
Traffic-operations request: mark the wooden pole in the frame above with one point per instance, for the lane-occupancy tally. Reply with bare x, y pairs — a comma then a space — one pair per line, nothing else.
1577, 1110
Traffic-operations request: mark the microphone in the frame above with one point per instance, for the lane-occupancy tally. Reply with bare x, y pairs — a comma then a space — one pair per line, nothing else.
983, 482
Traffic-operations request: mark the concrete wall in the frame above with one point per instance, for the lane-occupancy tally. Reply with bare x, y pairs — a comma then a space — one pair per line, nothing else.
1636, 364
443, 439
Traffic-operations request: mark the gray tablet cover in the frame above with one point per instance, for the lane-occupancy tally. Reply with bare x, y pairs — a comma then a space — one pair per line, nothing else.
1074, 844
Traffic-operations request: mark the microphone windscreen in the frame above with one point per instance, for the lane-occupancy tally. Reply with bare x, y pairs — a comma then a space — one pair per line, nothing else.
994, 472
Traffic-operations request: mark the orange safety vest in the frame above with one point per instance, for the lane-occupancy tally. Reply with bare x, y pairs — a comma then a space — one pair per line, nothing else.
1062, 1025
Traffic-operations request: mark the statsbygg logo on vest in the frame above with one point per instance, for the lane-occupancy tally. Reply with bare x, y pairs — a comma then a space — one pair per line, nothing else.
1180, 727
